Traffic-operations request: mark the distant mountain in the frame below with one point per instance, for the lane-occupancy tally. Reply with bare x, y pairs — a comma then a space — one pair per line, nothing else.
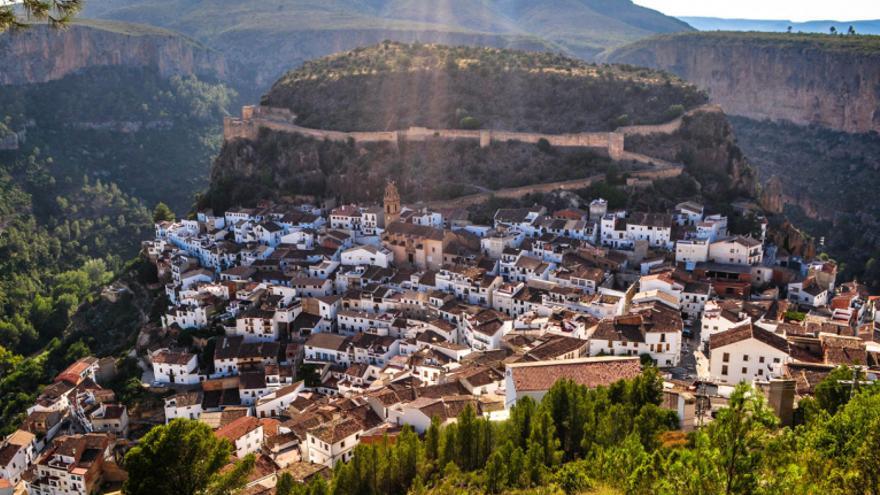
718, 24
263, 38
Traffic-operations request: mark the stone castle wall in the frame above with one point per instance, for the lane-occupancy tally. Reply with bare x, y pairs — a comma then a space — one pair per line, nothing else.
613, 143
253, 118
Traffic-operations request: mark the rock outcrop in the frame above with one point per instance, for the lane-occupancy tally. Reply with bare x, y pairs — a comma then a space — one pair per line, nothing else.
806, 79
39, 54
772, 198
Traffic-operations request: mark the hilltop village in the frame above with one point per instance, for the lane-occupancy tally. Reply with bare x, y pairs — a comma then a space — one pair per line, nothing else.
297, 332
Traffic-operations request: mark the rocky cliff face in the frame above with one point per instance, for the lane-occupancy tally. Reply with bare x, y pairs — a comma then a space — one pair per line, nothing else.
40, 54
706, 145
806, 79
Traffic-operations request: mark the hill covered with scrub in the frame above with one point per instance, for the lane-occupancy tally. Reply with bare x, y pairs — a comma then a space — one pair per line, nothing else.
393, 86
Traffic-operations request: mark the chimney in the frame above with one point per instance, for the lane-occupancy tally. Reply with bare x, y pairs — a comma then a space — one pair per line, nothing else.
781, 399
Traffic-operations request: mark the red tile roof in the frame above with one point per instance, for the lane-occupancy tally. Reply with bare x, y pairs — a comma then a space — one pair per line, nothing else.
747, 331
238, 428
590, 372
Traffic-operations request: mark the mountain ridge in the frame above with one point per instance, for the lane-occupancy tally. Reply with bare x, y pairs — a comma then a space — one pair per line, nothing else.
263, 39
871, 26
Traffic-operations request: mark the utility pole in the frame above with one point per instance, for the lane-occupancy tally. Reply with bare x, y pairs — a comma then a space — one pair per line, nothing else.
854, 387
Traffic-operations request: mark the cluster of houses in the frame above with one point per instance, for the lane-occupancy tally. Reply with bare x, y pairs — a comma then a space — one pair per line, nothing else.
310, 330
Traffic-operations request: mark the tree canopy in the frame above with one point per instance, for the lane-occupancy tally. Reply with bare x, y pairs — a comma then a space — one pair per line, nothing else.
55, 12
183, 457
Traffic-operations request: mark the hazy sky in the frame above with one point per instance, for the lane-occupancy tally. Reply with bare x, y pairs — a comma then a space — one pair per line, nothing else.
794, 10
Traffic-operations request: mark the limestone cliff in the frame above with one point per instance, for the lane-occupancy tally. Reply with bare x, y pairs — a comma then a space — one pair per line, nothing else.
806, 79
706, 145
40, 54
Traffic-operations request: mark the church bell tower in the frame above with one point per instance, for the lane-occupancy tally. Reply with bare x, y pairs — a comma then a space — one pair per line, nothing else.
392, 203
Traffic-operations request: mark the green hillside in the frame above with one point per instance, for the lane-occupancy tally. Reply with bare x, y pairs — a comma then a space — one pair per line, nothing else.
394, 86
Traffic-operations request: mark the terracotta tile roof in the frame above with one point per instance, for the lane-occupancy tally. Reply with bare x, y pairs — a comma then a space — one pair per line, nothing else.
747, 331
77, 368
238, 428
590, 372
411, 229
843, 350
806, 376
166, 356
7, 453
554, 346
325, 340
337, 430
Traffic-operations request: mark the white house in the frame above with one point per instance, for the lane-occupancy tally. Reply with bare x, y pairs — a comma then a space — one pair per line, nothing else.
187, 405
333, 441
712, 228
716, 319
688, 213
653, 329
483, 331
245, 433
275, 403
694, 298
739, 250
691, 252
71, 466
746, 353
808, 292
175, 367
619, 231
187, 316
346, 217
367, 255
328, 348
17, 453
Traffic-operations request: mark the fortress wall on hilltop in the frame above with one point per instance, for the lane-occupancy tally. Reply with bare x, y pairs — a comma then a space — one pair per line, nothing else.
253, 118
667, 127
613, 143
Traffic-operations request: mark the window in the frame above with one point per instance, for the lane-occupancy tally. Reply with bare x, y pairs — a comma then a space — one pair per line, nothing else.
745, 370
775, 360
761, 359
724, 370
745, 358
726, 357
